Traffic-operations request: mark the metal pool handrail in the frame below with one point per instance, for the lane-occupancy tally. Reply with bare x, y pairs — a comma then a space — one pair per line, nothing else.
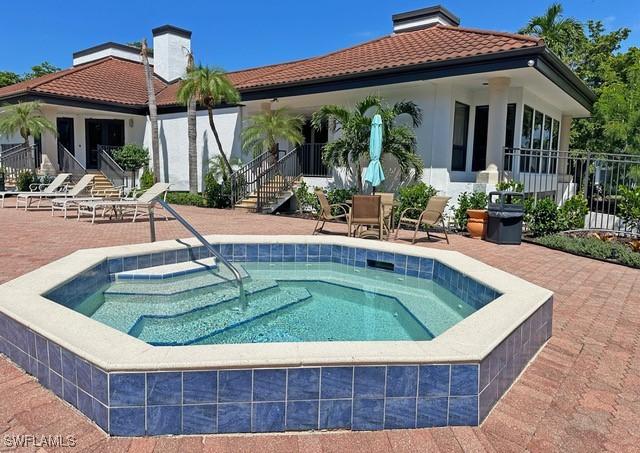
203, 241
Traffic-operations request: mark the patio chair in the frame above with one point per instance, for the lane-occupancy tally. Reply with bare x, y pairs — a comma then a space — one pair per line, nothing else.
326, 211
432, 216
53, 187
77, 195
366, 210
119, 207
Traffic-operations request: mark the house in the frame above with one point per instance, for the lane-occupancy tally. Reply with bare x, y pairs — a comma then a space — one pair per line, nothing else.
479, 91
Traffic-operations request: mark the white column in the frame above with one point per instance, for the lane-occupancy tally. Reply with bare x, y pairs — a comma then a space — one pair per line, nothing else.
565, 137
498, 99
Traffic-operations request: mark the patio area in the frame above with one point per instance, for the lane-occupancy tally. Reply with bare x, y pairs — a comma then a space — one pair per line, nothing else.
580, 393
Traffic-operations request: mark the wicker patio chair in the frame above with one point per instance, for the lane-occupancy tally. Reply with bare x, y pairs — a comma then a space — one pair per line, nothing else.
326, 211
432, 216
366, 210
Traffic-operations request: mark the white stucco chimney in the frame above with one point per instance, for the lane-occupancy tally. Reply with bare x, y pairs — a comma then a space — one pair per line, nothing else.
423, 18
171, 46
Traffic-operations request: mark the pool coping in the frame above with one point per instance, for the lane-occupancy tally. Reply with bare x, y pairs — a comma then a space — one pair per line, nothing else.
470, 340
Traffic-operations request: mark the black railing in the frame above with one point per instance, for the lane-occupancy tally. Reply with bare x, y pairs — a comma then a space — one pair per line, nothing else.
278, 178
244, 181
69, 164
18, 159
562, 174
311, 160
110, 167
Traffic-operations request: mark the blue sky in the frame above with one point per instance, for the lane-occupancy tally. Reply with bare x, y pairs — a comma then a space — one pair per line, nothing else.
241, 33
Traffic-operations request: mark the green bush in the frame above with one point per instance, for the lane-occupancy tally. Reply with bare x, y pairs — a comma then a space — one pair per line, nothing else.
573, 212
543, 218
25, 179
340, 196
629, 207
592, 247
147, 179
131, 157
186, 198
510, 186
466, 201
217, 195
413, 196
307, 200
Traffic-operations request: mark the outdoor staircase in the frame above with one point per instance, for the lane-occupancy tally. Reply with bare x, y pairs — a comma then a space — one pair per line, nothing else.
250, 203
102, 185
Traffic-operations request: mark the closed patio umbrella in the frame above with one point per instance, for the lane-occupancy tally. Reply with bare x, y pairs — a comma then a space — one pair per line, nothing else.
374, 173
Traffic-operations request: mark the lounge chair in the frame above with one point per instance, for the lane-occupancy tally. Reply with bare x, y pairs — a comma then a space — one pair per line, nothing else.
366, 210
75, 195
118, 208
53, 187
433, 215
326, 211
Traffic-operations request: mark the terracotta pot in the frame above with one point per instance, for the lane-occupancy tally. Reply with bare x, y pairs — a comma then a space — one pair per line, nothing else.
477, 223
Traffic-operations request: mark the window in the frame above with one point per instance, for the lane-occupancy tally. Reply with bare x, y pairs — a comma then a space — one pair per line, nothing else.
460, 136
539, 132
536, 141
555, 135
527, 119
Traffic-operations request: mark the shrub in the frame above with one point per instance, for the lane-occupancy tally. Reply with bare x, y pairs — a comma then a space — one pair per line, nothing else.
510, 186
340, 196
217, 195
592, 247
147, 179
573, 212
414, 196
466, 201
543, 218
307, 200
131, 157
186, 198
25, 179
629, 207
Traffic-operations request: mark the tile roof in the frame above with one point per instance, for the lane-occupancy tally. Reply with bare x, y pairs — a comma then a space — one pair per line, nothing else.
121, 81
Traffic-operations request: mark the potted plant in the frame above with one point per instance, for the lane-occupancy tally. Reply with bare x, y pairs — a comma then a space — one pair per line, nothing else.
472, 214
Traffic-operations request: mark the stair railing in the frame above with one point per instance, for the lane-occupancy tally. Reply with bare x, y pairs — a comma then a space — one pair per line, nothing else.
69, 164
278, 178
244, 181
110, 168
18, 159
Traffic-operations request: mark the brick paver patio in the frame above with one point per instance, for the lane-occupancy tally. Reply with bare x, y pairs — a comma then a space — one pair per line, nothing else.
582, 392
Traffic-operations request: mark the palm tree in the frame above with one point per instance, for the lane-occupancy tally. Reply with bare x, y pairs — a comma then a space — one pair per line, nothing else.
560, 34
186, 98
351, 148
26, 119
210, 87
264, 129
153, 110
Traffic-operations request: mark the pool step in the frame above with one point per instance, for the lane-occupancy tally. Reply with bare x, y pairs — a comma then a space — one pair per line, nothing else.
174, 286
168, 270
197, 325
122, 311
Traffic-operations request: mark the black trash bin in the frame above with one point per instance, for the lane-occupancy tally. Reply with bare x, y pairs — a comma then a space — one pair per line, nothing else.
506, 210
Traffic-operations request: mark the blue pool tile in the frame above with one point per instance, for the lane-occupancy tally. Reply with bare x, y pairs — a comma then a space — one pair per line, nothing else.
463, 411
55, 383
42, 373
464, 380
144, 261
170, 257
372, 255
157, 259
269, 385
101, 415
129, 263
181, 257
325, 252
337, 382
70, 392
127, 421
239, 252
200, 386
412, 272
83, 372
42, 352
368, 414
164, 388
264, 250
335, 414
434, 380
402, 381
164, 420
413, 262
55, 358
85, 403
227, 251
400, 413
301, 253
303, 384
126, 389
199, 419
400, 261
234, 386
277, 251
252, 252
313, 250
114, 265
302, 415
99, 385
368, 382
289, 252
432, 412
234, 418
268, 417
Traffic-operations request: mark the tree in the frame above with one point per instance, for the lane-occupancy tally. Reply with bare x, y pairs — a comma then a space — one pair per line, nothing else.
210, 87
153, 110
41, 69
187, 98
351, 148
561, 34
26, 119
264, 129
8, 78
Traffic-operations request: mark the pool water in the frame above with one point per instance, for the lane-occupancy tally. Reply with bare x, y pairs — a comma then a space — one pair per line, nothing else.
286, 302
